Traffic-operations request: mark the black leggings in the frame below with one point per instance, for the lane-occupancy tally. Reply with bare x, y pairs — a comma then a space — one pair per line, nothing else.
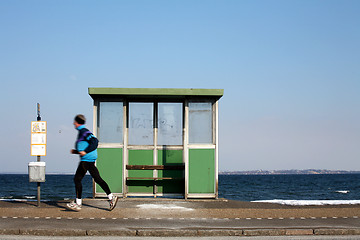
94, 172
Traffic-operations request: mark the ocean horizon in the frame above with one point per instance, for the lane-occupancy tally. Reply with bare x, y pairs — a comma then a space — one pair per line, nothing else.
243, 172
316, 189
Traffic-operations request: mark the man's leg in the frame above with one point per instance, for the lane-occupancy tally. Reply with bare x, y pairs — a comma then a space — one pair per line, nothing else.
94, 172
79, 175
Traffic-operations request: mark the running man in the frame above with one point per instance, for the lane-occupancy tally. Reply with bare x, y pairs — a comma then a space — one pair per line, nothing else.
86, 146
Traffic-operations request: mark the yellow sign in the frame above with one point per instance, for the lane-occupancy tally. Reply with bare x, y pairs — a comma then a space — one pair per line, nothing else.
38, 138
38, 127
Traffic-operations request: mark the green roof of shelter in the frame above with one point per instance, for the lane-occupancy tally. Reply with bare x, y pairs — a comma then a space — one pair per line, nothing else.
156, 92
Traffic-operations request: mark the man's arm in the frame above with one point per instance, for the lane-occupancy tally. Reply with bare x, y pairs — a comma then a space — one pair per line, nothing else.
74, 151
81, 153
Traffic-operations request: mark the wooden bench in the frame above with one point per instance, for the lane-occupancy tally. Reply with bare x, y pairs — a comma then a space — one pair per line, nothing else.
154, 167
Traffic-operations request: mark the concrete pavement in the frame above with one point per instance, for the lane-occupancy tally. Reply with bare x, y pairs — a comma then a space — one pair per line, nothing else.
177, 217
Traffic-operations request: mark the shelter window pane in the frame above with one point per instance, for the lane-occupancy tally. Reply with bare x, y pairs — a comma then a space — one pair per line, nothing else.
111, 122
200, 122
170, 123
141, 130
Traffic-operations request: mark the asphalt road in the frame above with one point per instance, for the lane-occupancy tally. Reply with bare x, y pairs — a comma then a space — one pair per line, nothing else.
174, 223
104, 225
140, 217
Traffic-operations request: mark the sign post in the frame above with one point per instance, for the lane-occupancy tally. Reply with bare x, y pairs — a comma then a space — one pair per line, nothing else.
38, 149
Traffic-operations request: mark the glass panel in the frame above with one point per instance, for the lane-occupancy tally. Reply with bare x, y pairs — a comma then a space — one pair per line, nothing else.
200, 122
111, 122
141, 123
170, 123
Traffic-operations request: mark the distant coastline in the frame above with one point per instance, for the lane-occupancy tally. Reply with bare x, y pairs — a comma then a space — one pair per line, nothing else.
288, 172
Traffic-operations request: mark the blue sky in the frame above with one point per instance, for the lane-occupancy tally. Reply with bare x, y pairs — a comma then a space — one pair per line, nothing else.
289, 69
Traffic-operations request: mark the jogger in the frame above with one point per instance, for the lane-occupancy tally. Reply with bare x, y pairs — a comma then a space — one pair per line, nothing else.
86, 146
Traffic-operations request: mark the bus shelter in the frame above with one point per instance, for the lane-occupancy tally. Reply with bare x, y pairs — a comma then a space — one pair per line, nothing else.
157, 141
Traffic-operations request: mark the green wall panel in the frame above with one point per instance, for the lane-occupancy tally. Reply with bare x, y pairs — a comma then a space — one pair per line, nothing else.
170, 158
201, 171
140, 157
110, 166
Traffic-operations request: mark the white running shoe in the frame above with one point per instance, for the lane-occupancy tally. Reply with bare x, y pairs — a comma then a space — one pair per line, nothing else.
73, 206
113, 202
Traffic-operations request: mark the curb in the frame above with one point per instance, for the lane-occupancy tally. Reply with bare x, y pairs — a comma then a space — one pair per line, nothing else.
355, 231
180, 232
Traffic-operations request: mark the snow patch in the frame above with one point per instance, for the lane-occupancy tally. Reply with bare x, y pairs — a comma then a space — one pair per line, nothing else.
164, 207
310, 202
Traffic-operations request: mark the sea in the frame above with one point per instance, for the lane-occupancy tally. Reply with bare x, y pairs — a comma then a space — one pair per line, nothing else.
313, 189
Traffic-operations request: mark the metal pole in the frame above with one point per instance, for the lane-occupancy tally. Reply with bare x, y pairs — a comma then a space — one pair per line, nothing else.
38, 112
38, 187
38, 158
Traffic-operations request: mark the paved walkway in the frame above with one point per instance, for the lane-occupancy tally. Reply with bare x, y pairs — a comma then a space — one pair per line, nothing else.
177, 217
